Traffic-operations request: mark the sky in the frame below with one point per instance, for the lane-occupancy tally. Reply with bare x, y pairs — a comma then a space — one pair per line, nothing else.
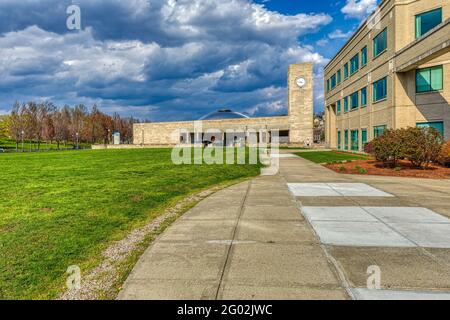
166, 60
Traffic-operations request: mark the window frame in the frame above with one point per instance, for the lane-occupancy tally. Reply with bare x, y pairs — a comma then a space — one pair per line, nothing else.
353, 99
364, 54
417, 16
430, 69
376, 128
375, 47
363, 104
346, 71
354, 64
375, 90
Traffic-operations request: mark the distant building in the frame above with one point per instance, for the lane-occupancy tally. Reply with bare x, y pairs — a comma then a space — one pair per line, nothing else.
394, 72
294, 129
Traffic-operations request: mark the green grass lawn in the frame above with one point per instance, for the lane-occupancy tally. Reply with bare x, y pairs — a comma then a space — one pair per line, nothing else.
63, 208
330, 156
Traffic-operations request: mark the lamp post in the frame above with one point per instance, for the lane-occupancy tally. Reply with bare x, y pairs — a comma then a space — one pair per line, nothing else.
109, 136
78, 143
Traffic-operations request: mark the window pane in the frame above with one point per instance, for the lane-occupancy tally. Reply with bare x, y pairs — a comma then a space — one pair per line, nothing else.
363, 97
346, 140
346, 71
355, 140
364, 137
429, 79
423, 80
427, 21
354, 64
339, 76
339, 107
345, 104
439, 126
355, 100
364, 56
380, 90
437, 78
378, 131
339, 139
380, 43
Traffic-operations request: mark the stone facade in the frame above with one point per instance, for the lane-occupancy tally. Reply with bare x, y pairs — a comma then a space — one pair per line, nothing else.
403, 106
299, 122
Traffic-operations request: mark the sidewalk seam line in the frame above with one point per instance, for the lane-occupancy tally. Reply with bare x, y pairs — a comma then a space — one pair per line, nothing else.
241, 210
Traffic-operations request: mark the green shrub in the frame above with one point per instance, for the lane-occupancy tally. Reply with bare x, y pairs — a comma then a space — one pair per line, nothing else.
342, 169
444, 155
397, 169
419, 145
422, 146
361, 170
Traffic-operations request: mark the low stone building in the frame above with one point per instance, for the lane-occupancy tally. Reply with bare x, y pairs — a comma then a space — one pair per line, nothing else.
227, 127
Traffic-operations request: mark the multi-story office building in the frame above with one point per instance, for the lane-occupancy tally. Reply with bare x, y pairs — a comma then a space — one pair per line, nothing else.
394, 72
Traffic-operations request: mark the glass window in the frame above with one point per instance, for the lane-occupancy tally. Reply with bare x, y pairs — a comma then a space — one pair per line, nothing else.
363, 97
339, 107
339, 79
430, 79
354, 100
380, 43
345, 104
438, 125
427, 21
346, 71
328, 85
346, 140
364, 137
379, 130
339, 140
355, 140
380, 90
364, 56
354, 64
333, 82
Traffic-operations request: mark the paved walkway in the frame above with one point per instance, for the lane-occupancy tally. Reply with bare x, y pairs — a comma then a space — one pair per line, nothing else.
251, 242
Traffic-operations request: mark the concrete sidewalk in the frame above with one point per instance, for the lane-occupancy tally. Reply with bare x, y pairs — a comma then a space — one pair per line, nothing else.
247, 242
251, 242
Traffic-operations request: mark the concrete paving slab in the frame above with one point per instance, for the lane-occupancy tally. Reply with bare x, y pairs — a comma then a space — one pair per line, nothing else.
274, 231
401, 268
326, 201
233, 291
407, 215
358, 190
189, 230
280, 265
227, 213
366, 234
380, 202
312, 190
428, 235
272, 213
270, 201
159, 289
366, 294
337, 214
183, 261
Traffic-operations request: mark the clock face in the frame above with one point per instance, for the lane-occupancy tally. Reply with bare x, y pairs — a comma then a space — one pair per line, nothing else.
301, 82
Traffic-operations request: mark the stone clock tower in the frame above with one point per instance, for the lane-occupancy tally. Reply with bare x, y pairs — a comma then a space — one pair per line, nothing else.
301, 103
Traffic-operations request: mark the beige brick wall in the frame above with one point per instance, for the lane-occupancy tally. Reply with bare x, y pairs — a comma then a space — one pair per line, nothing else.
403, 107
299, 121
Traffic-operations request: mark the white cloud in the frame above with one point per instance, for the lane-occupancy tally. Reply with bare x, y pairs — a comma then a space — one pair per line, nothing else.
339, 34
164, 59
359, 9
